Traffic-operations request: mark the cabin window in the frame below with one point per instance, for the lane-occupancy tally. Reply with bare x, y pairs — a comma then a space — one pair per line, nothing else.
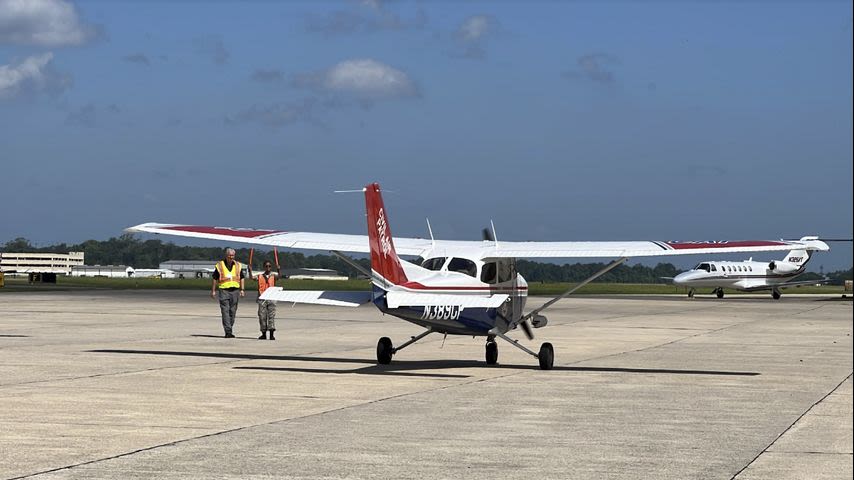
713, 268
434, 264
489, 273
750, 268
462, 265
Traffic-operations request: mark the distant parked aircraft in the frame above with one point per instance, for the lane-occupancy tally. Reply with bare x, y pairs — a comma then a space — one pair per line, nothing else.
751, 276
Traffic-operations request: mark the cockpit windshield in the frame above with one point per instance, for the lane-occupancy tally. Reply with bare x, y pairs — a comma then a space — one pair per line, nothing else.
703, 266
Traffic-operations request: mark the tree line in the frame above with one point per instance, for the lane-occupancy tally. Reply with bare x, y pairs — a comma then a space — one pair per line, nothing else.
131, 251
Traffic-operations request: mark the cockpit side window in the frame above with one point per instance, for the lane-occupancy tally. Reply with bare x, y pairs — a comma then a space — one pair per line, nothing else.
462, 265
434, 264
489, 273
703, 266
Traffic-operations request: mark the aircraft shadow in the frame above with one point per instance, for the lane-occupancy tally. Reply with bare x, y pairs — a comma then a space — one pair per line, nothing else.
14, 336
406, 367
221, 336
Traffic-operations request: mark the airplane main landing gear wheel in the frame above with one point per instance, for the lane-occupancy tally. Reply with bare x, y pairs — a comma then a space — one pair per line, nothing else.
720, 293
775, 294
691, 293
491, 352
546, 356
385, 350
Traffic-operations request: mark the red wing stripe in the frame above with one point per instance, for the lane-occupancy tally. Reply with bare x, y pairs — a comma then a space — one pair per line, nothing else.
231, 232
724, 244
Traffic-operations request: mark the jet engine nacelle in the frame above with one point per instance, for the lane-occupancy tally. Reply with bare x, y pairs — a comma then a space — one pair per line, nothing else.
539, 321
782, 267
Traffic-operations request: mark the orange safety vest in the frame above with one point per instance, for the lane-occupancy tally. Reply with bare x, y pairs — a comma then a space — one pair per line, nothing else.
228, 278
265, 283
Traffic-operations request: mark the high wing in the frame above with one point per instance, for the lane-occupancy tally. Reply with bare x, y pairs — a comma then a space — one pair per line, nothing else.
277, 238
473, 249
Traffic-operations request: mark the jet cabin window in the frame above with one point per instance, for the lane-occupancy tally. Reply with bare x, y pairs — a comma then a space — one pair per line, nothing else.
703, 266
462, 265
434, 264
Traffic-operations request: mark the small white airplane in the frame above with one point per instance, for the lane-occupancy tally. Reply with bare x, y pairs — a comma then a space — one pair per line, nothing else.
461, 287
751, 276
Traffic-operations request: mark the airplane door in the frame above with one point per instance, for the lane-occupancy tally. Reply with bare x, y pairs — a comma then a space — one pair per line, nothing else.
507, 282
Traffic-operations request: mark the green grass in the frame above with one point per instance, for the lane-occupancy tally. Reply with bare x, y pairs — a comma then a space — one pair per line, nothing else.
535, 288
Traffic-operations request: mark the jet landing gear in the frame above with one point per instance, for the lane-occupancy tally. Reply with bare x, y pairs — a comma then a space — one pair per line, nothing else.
546, 355
775, 294
719, 292
690, 293
385, 349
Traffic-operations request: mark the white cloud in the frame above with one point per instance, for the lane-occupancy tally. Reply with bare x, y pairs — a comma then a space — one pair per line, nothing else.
49, 23
474, 28
34, 74
361, 77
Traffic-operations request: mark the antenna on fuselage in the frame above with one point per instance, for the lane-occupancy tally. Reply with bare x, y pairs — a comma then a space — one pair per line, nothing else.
494, 235
430, 229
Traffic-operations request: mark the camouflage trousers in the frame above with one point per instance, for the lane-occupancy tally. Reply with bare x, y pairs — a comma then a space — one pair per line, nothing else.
267, 315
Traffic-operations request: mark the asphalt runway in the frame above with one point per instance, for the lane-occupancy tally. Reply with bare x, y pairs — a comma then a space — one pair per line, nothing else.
139, 384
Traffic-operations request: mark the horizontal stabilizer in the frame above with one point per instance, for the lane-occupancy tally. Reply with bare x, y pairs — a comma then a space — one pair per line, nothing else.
317, 297
407, 299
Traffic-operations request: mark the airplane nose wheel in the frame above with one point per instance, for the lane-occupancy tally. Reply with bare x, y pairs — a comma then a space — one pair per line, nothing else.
719, 292
546, 356
385, 350
491, 352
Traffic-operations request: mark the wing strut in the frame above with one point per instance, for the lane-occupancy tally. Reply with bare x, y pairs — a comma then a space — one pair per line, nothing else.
351, 262
596, 275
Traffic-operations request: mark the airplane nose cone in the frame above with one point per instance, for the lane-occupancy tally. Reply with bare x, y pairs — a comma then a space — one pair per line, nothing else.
681, 278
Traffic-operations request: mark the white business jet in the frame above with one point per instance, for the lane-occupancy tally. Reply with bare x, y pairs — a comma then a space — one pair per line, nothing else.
752, 276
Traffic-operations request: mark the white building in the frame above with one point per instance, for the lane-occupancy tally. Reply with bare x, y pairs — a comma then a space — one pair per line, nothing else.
39, 263
112, 271
190, 268
313, 274
152, 273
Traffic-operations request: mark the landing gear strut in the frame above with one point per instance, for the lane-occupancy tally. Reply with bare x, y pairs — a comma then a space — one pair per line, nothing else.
690, 293
386, 350
546, 355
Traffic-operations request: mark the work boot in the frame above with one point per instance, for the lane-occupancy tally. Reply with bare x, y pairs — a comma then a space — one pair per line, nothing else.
271, 335
264, 335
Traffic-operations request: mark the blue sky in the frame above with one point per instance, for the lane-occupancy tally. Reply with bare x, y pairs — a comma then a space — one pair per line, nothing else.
557, 120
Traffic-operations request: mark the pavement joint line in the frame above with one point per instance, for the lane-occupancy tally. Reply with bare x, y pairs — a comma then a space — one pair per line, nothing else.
275, 422
790, 427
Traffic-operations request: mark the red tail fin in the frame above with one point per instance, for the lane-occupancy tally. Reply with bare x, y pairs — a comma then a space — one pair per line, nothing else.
384, 259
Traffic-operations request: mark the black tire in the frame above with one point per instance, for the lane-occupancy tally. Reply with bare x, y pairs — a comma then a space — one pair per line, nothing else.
546, 356
720, 293
491, 353
385, 349
775, 295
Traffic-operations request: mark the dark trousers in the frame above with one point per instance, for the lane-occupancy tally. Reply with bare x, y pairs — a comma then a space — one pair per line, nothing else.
228, 307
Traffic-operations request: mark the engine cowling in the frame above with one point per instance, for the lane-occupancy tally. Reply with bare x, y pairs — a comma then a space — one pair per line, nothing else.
782, 267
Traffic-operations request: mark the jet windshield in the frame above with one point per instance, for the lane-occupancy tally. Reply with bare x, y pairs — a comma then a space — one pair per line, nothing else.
703, 266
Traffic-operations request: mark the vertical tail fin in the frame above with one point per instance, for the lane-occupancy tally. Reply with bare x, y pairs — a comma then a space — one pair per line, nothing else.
384, 260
